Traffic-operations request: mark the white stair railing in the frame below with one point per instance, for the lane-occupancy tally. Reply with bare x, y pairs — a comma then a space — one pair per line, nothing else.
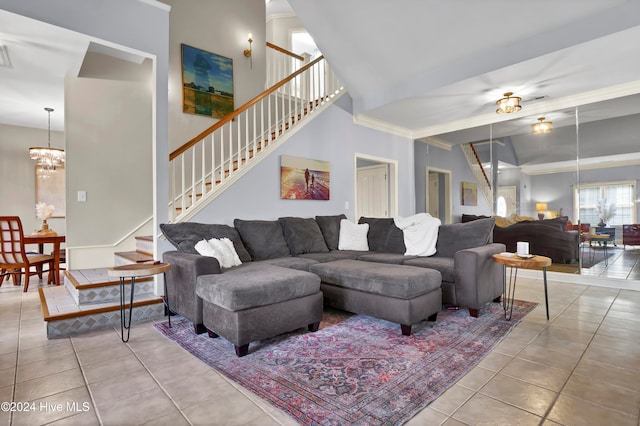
281, 63
203, 167
478, 172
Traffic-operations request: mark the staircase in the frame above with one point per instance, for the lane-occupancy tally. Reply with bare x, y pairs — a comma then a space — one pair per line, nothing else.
90, 299
211, 162
199, 171
484, 186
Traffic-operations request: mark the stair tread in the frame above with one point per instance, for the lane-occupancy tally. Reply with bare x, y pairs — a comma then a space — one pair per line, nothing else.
135, 256
57, 304
92, 278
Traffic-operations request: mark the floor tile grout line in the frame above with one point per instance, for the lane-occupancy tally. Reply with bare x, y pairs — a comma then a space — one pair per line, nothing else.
571, 374
86, 383
164, 390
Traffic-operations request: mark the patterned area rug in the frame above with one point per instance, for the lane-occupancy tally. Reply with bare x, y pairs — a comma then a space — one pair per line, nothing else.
356, 369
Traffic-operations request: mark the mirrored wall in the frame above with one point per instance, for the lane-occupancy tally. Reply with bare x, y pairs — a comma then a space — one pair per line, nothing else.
571, 191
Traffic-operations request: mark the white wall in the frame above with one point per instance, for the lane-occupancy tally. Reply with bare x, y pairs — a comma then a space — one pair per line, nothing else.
221, 27
17, 173
333, 137
108, 138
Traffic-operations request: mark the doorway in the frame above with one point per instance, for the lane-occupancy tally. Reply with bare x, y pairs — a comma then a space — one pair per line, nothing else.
506, 202
376, 187
438, 197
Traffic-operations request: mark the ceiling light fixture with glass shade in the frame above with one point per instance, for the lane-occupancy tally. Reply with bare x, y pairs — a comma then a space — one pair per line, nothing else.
508, 104
541, 127
47, 159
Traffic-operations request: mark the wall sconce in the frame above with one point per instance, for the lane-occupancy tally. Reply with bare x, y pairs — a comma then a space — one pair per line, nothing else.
247, 52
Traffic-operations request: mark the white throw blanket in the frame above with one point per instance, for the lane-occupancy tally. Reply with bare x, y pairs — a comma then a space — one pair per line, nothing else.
420, 233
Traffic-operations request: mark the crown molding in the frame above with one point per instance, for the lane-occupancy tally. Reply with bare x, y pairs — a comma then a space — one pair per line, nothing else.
383, 126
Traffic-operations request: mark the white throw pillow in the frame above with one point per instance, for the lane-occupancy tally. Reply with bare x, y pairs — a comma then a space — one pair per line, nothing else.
227, 252
353, 236
204, 248
224, 251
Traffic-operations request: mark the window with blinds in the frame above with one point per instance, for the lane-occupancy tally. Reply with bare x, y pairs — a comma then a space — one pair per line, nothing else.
620, 194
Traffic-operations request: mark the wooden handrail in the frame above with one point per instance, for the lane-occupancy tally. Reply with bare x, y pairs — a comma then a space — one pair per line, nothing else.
285, 51
480, 164
229, 117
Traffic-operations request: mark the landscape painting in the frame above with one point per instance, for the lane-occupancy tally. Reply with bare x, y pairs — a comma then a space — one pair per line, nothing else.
207, 83
303, 178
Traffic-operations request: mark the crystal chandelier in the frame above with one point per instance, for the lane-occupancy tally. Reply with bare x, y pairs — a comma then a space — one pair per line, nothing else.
541, 127
47, 159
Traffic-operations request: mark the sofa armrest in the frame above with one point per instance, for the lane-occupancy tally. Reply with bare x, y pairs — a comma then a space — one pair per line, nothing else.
181, 282
478, 277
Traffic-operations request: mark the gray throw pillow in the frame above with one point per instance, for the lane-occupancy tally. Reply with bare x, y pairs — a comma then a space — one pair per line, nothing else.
302, 235
185, 235
459, 236
262, 238
384, 236
330, 228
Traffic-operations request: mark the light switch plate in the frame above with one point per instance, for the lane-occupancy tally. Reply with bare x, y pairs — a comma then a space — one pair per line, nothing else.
82, 196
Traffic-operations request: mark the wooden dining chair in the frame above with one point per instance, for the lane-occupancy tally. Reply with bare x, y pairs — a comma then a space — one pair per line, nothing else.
14, 260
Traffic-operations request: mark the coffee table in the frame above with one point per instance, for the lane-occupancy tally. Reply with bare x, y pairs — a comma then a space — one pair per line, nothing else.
602, 239
133, 271
515, 262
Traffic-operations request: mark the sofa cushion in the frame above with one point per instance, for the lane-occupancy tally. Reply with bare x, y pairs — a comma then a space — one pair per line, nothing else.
302, 235
252, 285
185, 235
445, 265
330, 228
393, 258
263, 238
333, 255
458, 236
384, 236
299, 263
353, 236
402, 282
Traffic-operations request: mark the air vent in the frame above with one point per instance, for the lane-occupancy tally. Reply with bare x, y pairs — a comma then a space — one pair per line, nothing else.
535, 98
5, 61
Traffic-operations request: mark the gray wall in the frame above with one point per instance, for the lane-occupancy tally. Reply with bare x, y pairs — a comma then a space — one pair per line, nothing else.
455, 161
332, 137
17, 173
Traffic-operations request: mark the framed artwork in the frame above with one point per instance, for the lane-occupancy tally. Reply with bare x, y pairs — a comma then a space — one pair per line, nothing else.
50, 189
303, 178
207, 83
469, 194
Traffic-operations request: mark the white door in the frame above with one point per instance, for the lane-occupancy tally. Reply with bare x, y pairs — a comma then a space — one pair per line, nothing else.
373, 191
508, 193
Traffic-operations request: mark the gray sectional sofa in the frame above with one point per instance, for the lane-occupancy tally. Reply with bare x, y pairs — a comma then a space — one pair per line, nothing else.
291, 267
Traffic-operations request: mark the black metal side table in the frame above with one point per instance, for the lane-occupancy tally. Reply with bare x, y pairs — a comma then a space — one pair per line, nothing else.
133, 271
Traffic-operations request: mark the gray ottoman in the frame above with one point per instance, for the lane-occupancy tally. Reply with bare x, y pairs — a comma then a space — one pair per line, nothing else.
255, 302
397, 293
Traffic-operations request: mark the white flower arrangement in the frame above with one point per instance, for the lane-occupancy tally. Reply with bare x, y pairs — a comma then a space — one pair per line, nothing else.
44, 211
605, 210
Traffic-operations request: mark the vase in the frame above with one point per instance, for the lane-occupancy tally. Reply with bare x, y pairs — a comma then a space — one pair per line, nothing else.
602, 224
45, 231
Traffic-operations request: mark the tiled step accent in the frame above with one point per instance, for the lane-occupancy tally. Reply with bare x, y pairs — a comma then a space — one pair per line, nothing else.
144, 245
91, 286
90, 300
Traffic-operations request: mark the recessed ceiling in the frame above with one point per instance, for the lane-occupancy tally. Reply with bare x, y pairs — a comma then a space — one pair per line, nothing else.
423, 68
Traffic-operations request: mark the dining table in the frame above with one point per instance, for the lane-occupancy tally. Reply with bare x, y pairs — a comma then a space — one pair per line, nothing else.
41, 240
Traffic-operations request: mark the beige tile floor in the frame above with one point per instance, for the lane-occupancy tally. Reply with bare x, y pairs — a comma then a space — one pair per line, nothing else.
580, 368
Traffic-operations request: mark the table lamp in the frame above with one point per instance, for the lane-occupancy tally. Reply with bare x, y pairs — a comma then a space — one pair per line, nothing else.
541, 207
